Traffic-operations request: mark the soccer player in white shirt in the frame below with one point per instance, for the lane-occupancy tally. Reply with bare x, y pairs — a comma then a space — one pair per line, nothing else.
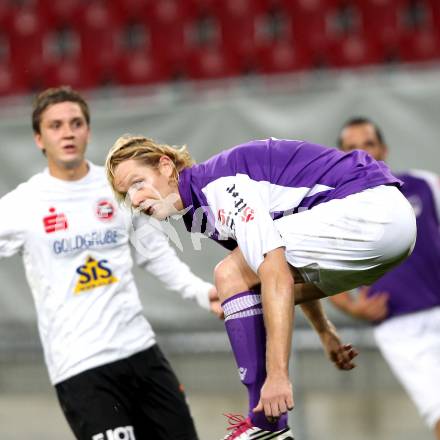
110, 376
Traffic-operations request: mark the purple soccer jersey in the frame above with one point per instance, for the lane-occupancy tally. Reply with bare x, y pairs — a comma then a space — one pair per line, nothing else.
414, 285
235, 196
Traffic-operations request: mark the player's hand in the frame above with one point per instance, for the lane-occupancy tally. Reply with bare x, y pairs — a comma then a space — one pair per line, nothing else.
373, 308
214, 303
276, 397
341, 355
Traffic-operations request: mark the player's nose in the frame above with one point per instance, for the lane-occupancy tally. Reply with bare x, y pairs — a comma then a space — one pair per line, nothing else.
136, 199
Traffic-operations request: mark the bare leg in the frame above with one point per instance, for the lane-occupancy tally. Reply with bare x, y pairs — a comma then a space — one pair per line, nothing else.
437, 430
307, 292
233, 275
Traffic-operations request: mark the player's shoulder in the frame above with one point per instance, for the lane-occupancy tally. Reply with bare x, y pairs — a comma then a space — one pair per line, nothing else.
23, 191
31, 184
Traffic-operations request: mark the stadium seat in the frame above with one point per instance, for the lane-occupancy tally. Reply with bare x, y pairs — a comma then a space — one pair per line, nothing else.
310, 25
100, 32
283, 57
5, 48
131, 9
172, 16
419, 39
140, 67
70, 72
11, 80
382, 20
423, 45
211, 63
238, 20
59, 13
5, 16
354, 51
27, 32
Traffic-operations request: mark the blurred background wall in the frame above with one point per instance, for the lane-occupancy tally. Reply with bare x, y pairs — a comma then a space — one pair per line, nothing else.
212, 74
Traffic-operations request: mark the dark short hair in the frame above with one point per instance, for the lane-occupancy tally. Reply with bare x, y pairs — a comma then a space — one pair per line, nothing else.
54, 96
360, 120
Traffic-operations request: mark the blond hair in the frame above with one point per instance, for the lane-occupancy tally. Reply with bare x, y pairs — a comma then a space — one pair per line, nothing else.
146, 151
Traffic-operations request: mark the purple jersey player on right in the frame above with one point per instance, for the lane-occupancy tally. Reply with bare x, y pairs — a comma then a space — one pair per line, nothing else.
302, 222
405, 303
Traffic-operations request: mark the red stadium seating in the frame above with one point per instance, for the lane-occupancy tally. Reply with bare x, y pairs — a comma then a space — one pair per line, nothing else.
100, 33
68, 72
5, 16
423, 45
382, 20
211, 63
27, 32
354, 51
61, 13
238, 21
168, 20
283, 57
139, 67
11, 80
92, 42
131, 9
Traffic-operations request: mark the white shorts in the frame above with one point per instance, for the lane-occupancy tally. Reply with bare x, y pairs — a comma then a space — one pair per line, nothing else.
411, 346
345, 243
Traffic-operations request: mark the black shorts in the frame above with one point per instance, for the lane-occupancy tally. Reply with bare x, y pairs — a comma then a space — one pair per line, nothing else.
135, 398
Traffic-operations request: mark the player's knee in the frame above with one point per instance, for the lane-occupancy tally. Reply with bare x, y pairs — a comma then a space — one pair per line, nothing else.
228, 280
222, 274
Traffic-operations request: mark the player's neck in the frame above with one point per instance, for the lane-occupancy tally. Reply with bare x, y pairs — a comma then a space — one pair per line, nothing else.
68, 173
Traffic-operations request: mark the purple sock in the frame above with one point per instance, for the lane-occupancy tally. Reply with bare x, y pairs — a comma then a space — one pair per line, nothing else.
247, 335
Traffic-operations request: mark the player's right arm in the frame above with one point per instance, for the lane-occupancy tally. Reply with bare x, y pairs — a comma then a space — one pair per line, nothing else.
362, 306
11, 231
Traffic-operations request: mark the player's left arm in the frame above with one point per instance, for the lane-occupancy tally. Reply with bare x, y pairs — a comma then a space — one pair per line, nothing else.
154, 254
340, 354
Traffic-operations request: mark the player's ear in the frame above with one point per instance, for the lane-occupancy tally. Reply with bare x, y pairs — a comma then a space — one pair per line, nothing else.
39, 142
166, 166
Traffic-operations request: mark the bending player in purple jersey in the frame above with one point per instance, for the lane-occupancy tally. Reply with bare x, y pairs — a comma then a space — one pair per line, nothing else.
302, 222
405, 303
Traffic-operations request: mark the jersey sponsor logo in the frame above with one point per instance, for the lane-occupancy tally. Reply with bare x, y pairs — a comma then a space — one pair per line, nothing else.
104, 210
226, 219
248, 214
241, 207
82, 242
242, 373
93, 274
54, 222
121, 433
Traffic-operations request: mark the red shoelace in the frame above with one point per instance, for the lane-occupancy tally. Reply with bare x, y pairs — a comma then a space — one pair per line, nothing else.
239, 424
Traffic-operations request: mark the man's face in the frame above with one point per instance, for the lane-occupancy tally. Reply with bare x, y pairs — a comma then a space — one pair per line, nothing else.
363, 137
64, 134
149, 189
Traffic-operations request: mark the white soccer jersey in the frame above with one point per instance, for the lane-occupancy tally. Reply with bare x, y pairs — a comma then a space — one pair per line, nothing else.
74, 240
